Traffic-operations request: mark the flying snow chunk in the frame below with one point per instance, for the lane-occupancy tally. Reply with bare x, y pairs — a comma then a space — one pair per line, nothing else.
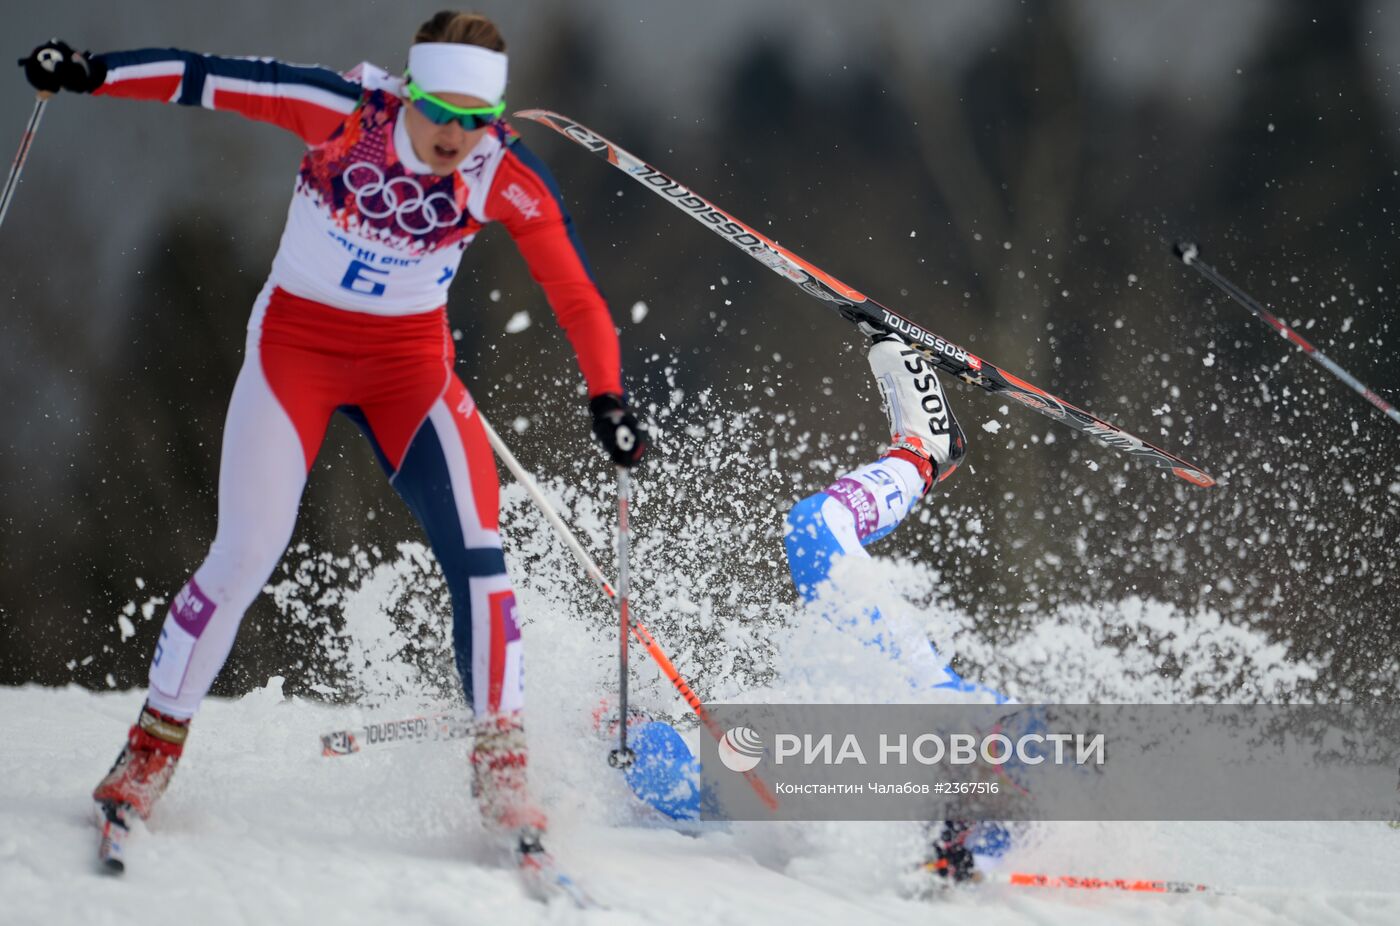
639, 311
495, 295
991, 427
128, 629
520, 425
518, 323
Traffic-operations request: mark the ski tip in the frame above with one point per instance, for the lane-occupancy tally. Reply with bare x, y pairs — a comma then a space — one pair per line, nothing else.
537, 115
1186, 251
1194, 476
112, 820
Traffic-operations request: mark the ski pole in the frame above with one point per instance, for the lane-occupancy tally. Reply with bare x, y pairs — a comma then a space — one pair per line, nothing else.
523, 477
22, 154
1024, 879
653, 648
622, 757
1190, 256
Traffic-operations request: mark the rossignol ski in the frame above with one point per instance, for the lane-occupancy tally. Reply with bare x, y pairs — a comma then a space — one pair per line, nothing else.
856, 307
439, 727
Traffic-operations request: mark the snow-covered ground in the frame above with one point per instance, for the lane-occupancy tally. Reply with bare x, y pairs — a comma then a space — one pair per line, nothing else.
260, 828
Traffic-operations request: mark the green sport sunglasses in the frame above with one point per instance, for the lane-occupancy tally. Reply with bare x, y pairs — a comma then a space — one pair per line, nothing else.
440, 112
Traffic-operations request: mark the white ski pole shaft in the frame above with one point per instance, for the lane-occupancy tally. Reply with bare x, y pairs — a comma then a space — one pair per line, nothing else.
23, 154
526, 481
622, 757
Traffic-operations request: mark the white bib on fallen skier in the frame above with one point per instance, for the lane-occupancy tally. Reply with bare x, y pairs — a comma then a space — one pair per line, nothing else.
920, 419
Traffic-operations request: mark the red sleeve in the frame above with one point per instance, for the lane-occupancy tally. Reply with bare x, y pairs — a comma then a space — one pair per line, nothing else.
308, 101
526, 201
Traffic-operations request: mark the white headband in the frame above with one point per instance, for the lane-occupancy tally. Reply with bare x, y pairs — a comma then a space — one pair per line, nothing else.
450, 67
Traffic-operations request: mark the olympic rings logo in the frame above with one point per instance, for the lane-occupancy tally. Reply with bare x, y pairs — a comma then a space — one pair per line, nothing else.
401, 197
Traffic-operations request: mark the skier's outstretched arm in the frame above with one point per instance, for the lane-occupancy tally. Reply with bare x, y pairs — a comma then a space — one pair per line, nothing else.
524, 197
308, 101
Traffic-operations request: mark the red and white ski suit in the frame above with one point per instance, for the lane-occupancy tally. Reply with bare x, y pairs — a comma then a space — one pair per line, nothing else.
352, 319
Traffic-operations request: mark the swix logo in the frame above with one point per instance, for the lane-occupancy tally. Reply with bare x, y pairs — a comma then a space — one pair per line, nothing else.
466, 406
515, 195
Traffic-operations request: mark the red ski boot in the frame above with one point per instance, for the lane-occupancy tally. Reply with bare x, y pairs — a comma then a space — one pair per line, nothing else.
143, 769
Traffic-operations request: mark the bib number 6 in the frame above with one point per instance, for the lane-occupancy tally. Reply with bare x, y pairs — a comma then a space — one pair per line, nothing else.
360, 278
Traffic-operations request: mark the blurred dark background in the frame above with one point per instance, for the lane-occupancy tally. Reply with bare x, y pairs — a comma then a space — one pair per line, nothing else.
1008, 173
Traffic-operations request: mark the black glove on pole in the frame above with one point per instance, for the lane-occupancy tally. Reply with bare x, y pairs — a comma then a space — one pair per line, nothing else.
622, 434
51, 67
55, 66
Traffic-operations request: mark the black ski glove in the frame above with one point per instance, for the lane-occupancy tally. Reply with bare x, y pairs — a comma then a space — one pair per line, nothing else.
55, 66
623, 436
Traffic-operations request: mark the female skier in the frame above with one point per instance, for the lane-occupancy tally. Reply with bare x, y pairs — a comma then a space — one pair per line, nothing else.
864, 505
399, 177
